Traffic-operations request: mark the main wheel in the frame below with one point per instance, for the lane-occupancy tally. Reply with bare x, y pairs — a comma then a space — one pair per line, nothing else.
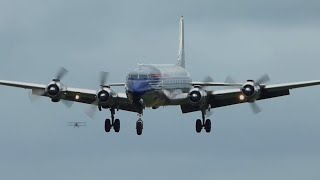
207, 125
107, 125
139, 127
198, 125
116, 125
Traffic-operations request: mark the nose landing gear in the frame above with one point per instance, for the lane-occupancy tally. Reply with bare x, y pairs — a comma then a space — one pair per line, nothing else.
139, 125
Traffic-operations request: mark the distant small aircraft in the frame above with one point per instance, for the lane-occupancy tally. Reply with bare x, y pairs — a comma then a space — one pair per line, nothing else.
156, 85
76, 124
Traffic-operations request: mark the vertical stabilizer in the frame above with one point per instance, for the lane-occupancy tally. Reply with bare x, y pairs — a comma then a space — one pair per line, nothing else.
181, 58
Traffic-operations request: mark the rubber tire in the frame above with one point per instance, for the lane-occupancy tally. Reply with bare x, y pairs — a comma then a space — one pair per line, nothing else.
107, 125
207, 125
116, 125
139, 127
198, 126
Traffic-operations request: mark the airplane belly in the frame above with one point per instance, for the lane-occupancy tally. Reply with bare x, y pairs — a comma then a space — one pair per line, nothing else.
153, 99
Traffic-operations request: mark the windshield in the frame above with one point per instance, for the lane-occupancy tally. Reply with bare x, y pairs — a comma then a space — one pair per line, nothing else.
137, 76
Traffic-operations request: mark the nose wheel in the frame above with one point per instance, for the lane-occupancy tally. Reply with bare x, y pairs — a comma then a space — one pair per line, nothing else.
139, 126
113, 123
203, 124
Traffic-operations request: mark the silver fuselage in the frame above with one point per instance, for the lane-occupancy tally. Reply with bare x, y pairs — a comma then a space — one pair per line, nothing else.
156, 84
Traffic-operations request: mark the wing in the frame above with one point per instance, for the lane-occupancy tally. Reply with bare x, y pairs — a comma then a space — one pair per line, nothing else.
86, 96
215, 84
221, 98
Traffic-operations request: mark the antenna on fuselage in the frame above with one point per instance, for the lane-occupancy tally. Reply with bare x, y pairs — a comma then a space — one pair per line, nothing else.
181, 55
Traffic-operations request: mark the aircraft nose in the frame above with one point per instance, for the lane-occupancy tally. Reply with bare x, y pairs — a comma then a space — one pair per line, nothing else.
139, 87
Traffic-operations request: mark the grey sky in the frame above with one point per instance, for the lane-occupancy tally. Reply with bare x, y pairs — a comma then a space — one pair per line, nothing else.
240, 38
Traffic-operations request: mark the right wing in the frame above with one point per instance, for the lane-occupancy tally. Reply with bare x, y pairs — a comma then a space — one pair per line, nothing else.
219, 84
227, 97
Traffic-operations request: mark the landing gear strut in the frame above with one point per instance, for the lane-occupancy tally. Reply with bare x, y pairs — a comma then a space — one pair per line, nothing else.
113, 123
204, 123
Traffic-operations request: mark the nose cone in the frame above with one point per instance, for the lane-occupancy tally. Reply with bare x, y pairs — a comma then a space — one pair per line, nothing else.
138, 87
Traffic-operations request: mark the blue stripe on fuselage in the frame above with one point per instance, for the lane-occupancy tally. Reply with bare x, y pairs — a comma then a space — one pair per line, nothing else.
139, 87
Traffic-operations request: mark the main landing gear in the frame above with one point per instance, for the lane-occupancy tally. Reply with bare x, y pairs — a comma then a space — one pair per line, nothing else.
113, 123
204, 123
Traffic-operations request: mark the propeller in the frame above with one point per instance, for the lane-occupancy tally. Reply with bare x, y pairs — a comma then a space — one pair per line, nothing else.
230, 80
208, 79
255, 108
32, 97
35, 94
261, 80
175, 93
66, 103
103, 79
92, 110
61, 73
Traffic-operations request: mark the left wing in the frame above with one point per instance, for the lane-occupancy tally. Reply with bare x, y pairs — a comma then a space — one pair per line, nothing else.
86, 96
220, 98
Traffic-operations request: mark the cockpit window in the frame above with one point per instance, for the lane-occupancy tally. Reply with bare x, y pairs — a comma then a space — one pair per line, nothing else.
137, 76
143, 76
133, 76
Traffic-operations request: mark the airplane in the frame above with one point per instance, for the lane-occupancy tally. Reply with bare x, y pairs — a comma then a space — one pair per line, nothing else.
157, 85
76, 124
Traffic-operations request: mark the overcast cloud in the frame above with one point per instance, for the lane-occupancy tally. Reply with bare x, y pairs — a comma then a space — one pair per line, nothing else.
243, 39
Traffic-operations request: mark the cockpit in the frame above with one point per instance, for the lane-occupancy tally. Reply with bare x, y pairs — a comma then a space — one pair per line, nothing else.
144, 72
137, 76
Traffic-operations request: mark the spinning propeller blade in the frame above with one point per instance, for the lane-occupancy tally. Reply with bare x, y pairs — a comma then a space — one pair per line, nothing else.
255, 108
61, 73
91, 111
103, 78
263, 79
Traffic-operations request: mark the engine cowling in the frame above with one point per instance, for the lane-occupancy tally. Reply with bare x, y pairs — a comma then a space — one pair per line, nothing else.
105, 96
251, 90
55, 90
197, 96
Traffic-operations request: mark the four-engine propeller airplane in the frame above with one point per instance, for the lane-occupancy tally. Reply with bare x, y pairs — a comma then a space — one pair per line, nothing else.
153, 85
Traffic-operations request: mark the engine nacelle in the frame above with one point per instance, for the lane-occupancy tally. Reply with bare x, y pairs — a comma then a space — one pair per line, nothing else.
55, 90
251, 90
105, 96
197, 96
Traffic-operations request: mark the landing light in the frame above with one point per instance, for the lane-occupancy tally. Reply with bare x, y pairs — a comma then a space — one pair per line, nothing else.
241, 97
77, 97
